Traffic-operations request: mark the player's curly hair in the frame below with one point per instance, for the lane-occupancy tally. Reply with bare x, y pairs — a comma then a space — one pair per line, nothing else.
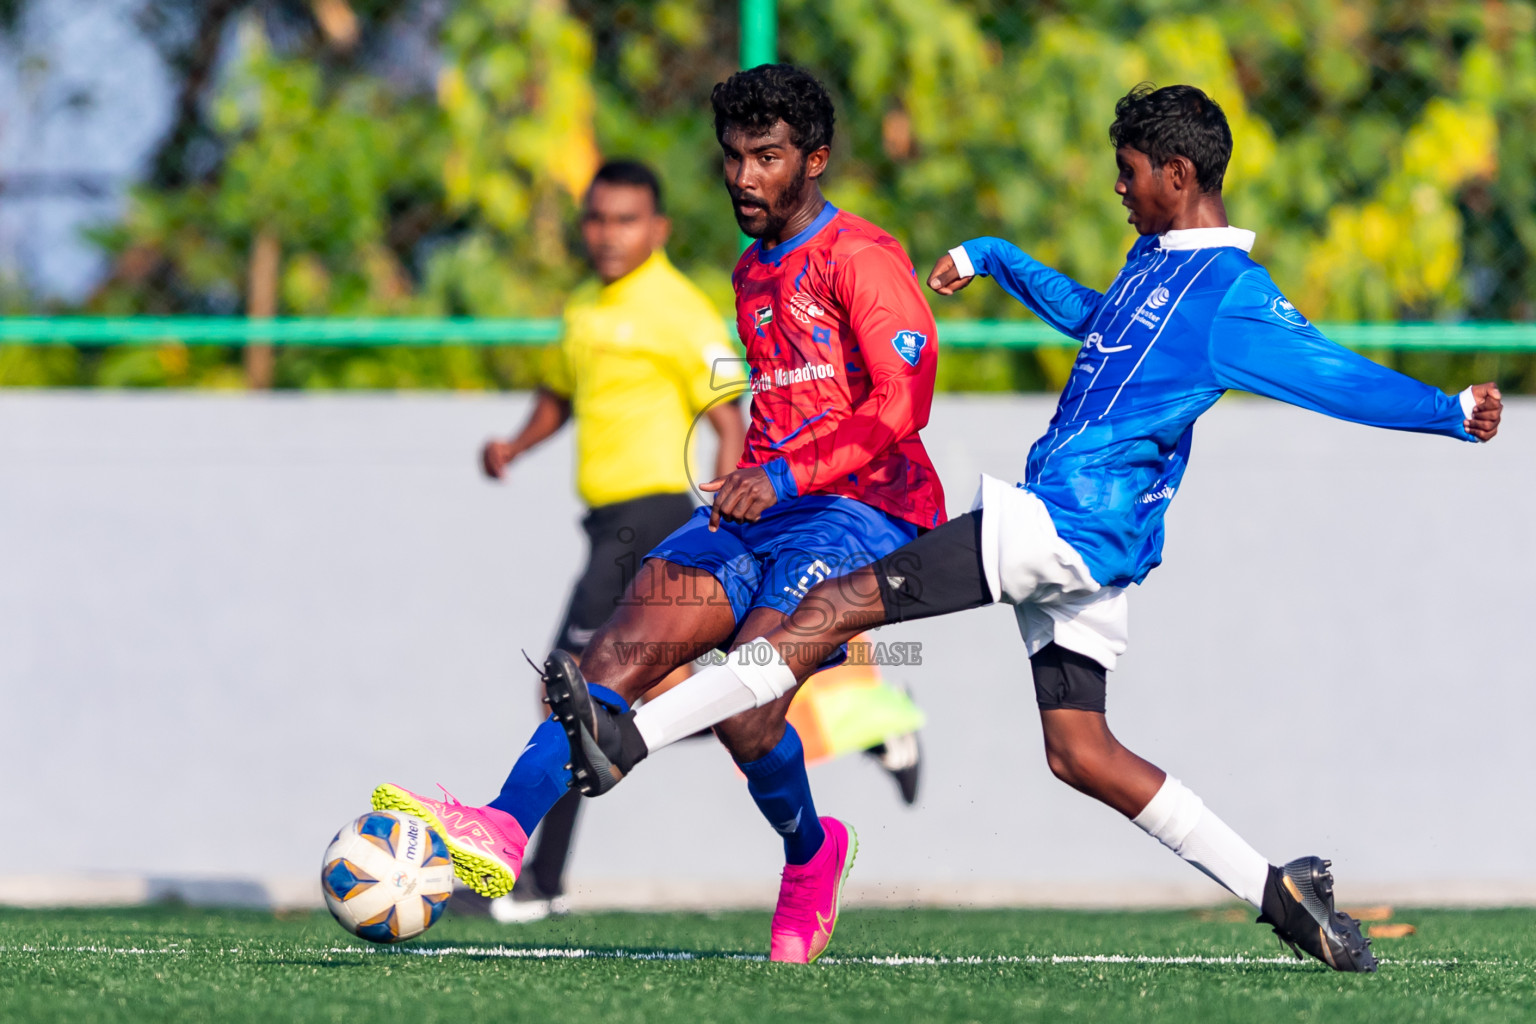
1176, 120
757, 98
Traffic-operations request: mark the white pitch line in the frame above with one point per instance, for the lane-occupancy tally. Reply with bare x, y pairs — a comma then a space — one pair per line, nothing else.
130, 951
559, 953
526, 953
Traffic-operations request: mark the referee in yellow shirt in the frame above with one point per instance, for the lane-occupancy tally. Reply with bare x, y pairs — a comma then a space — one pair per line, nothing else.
643, 355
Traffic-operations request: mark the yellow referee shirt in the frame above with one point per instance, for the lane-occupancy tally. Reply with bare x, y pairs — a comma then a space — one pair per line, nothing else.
636, 361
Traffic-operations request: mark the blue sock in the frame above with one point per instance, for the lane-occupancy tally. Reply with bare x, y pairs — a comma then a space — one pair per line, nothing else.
539, 778
777, 782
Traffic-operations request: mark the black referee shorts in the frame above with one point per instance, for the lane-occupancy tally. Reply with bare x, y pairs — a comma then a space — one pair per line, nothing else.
619, 536
941, 572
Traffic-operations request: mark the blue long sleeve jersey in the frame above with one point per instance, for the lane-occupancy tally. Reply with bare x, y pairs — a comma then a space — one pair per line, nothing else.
1189, 316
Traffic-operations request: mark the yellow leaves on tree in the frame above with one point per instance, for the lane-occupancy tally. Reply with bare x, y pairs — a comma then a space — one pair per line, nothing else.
1452, 144
518, 95
1403, 247
1196, 50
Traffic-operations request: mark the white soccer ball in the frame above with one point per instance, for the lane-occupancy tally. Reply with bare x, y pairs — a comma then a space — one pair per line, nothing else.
386, 876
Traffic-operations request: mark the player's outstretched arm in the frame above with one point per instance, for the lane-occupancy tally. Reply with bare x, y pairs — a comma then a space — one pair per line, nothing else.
1049, 294
1259, 342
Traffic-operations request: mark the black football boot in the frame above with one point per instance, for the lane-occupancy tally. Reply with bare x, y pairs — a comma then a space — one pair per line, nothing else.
1298, 904
604, 742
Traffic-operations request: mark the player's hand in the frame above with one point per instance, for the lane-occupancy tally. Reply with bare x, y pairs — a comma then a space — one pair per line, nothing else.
945, 279
740, 496
1486, 413
495, 456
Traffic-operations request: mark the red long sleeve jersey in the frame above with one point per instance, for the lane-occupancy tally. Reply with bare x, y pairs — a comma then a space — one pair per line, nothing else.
843, 351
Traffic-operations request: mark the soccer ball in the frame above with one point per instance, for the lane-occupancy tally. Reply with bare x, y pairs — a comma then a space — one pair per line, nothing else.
386, 876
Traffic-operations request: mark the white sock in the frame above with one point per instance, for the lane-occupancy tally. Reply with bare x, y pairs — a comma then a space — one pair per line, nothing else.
744, 682
1179, 819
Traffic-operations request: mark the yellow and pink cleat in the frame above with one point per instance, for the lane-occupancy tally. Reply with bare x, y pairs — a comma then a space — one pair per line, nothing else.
809, 897
486, 844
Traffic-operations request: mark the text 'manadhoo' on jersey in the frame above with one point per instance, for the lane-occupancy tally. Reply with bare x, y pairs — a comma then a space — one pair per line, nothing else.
1188, 317
843, 352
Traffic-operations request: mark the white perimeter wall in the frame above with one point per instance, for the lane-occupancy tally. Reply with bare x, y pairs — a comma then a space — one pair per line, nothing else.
223, 619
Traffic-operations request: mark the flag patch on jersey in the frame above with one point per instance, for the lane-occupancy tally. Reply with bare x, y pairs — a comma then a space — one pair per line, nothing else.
764, 316
1287, 312
909, 345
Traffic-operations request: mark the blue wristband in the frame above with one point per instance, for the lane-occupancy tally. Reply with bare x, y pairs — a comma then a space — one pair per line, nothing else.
782, 479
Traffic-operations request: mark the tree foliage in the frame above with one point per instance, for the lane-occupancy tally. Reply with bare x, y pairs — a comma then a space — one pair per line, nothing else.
1384, 152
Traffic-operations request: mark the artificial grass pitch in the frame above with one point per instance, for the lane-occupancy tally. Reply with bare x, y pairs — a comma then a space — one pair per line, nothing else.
172, 963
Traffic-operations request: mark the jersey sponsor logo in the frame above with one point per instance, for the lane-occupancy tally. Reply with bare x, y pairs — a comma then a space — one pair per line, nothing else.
804, 307
909, 345
1282, 308
770, 379
1157, 300
764, 316
1096, 341
1161, 494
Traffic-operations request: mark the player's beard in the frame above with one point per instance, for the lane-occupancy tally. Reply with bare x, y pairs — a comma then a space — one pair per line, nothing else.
778, 209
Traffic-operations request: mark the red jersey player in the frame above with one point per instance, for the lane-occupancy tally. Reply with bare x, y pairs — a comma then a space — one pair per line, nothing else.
842, 361
842, 350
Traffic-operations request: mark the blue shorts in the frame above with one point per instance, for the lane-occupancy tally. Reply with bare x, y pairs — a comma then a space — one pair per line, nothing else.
797, 544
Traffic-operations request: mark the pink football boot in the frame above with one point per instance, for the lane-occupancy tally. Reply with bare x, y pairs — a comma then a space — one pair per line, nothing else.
487, 845
809, 896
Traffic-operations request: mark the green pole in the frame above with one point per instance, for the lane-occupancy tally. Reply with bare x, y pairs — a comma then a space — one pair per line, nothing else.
759, 44
759, 33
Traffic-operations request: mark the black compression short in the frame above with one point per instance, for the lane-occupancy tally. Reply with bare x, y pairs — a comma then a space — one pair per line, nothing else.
941, 572
1067, 680
938, 573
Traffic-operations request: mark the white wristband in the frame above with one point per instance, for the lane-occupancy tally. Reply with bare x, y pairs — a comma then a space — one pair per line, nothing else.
963, 265
1468, 403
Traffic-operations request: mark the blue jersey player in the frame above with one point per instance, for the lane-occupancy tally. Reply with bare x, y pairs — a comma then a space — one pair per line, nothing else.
1189, 317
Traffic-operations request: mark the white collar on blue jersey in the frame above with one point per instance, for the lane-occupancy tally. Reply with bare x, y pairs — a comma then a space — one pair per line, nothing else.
1207, 238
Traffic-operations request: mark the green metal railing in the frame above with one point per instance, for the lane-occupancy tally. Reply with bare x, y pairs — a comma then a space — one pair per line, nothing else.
363, 333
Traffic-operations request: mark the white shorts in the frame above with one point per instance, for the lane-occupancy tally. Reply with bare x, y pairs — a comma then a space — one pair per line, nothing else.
1054, 595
